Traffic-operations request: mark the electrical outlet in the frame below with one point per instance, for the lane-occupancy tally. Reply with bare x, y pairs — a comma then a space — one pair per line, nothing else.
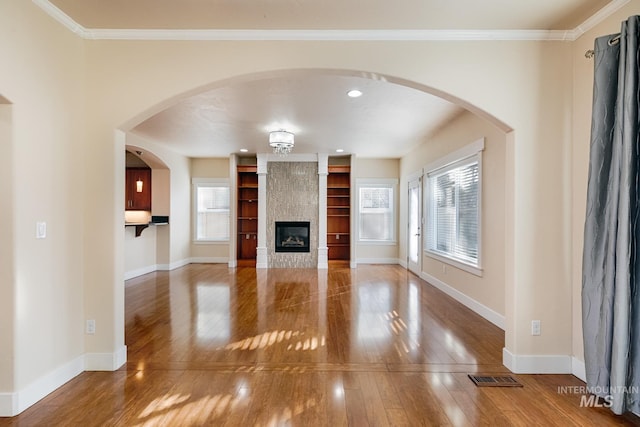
535, 327
91, 327
444, 268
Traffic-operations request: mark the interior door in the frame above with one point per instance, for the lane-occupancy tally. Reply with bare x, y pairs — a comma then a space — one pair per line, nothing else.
414, 229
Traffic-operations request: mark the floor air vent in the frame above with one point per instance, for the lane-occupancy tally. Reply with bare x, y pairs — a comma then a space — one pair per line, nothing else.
494, 381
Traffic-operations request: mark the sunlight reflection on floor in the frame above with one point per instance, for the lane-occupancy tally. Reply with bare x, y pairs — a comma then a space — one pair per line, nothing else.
272, 338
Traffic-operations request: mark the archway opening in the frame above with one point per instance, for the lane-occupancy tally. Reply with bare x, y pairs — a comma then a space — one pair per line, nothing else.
146, 123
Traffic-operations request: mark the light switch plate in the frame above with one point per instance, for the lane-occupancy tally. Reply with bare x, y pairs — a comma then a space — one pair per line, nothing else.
41, 230
90, 327
535, 327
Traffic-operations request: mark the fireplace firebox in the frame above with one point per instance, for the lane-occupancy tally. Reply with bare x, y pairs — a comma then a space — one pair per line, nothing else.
292, 236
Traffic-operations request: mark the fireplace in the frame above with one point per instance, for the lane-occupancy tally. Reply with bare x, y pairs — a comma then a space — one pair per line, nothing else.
292, 236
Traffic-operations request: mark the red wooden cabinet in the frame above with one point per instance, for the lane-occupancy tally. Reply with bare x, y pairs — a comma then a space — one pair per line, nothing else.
138, 179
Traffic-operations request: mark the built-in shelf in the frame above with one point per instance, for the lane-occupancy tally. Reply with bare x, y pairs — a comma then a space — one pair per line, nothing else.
339, 212
247, 220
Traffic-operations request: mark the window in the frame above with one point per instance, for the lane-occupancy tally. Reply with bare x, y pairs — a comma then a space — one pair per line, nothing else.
211, 221
453, 208
376, 211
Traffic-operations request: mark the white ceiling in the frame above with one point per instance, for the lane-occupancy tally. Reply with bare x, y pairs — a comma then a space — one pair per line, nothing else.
387, 121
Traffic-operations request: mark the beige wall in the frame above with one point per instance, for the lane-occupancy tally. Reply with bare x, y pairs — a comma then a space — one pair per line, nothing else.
7, 265
210, 168
139, 252
489, 290
79, 92
42, 75
161, 205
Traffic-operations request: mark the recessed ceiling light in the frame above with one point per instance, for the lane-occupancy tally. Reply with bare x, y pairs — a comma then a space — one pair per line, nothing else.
339, 150
244, 150
354, 93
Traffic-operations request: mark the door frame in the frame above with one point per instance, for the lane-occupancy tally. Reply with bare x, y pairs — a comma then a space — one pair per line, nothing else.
414, 181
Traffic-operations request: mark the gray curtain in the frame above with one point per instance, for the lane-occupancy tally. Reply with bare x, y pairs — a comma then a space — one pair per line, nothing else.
610, 303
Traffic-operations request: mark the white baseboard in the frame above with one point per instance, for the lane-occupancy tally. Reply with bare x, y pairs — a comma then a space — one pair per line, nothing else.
578, 369
233, 263
163, 267
377, 261
209, 260
178, 264
140, 271
8, 405
11, 404
168, 267
323, 258
484, 311
262, 260
173, 265
105, 361
536, 364
403, 263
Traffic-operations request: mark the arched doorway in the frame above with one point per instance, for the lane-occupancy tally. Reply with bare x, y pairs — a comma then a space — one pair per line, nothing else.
143, 124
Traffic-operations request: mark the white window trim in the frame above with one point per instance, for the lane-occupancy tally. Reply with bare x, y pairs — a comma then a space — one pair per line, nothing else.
378, 182
468, 151
212, 182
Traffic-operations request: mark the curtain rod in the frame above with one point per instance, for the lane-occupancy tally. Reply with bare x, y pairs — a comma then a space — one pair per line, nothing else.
591, 53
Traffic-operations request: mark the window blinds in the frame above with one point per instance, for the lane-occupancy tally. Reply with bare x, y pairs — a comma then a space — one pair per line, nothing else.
212, 222
376, 213
453, 199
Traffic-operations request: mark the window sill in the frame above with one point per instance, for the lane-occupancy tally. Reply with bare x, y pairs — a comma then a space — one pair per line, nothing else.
477, 271
378, 242
210, 242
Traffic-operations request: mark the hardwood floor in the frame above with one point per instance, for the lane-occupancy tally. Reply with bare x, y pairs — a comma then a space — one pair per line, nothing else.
372, 346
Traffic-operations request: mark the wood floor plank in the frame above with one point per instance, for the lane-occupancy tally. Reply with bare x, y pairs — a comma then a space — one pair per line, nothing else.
398, 417
375, 345
373, 403
356, 410
387, 391
336, 413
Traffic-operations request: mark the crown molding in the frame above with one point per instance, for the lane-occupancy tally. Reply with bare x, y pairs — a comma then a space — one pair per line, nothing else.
598, 17
330, 35
327, 35
61, 17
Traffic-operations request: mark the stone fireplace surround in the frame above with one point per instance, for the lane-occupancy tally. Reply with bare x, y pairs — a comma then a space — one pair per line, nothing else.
292, 188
